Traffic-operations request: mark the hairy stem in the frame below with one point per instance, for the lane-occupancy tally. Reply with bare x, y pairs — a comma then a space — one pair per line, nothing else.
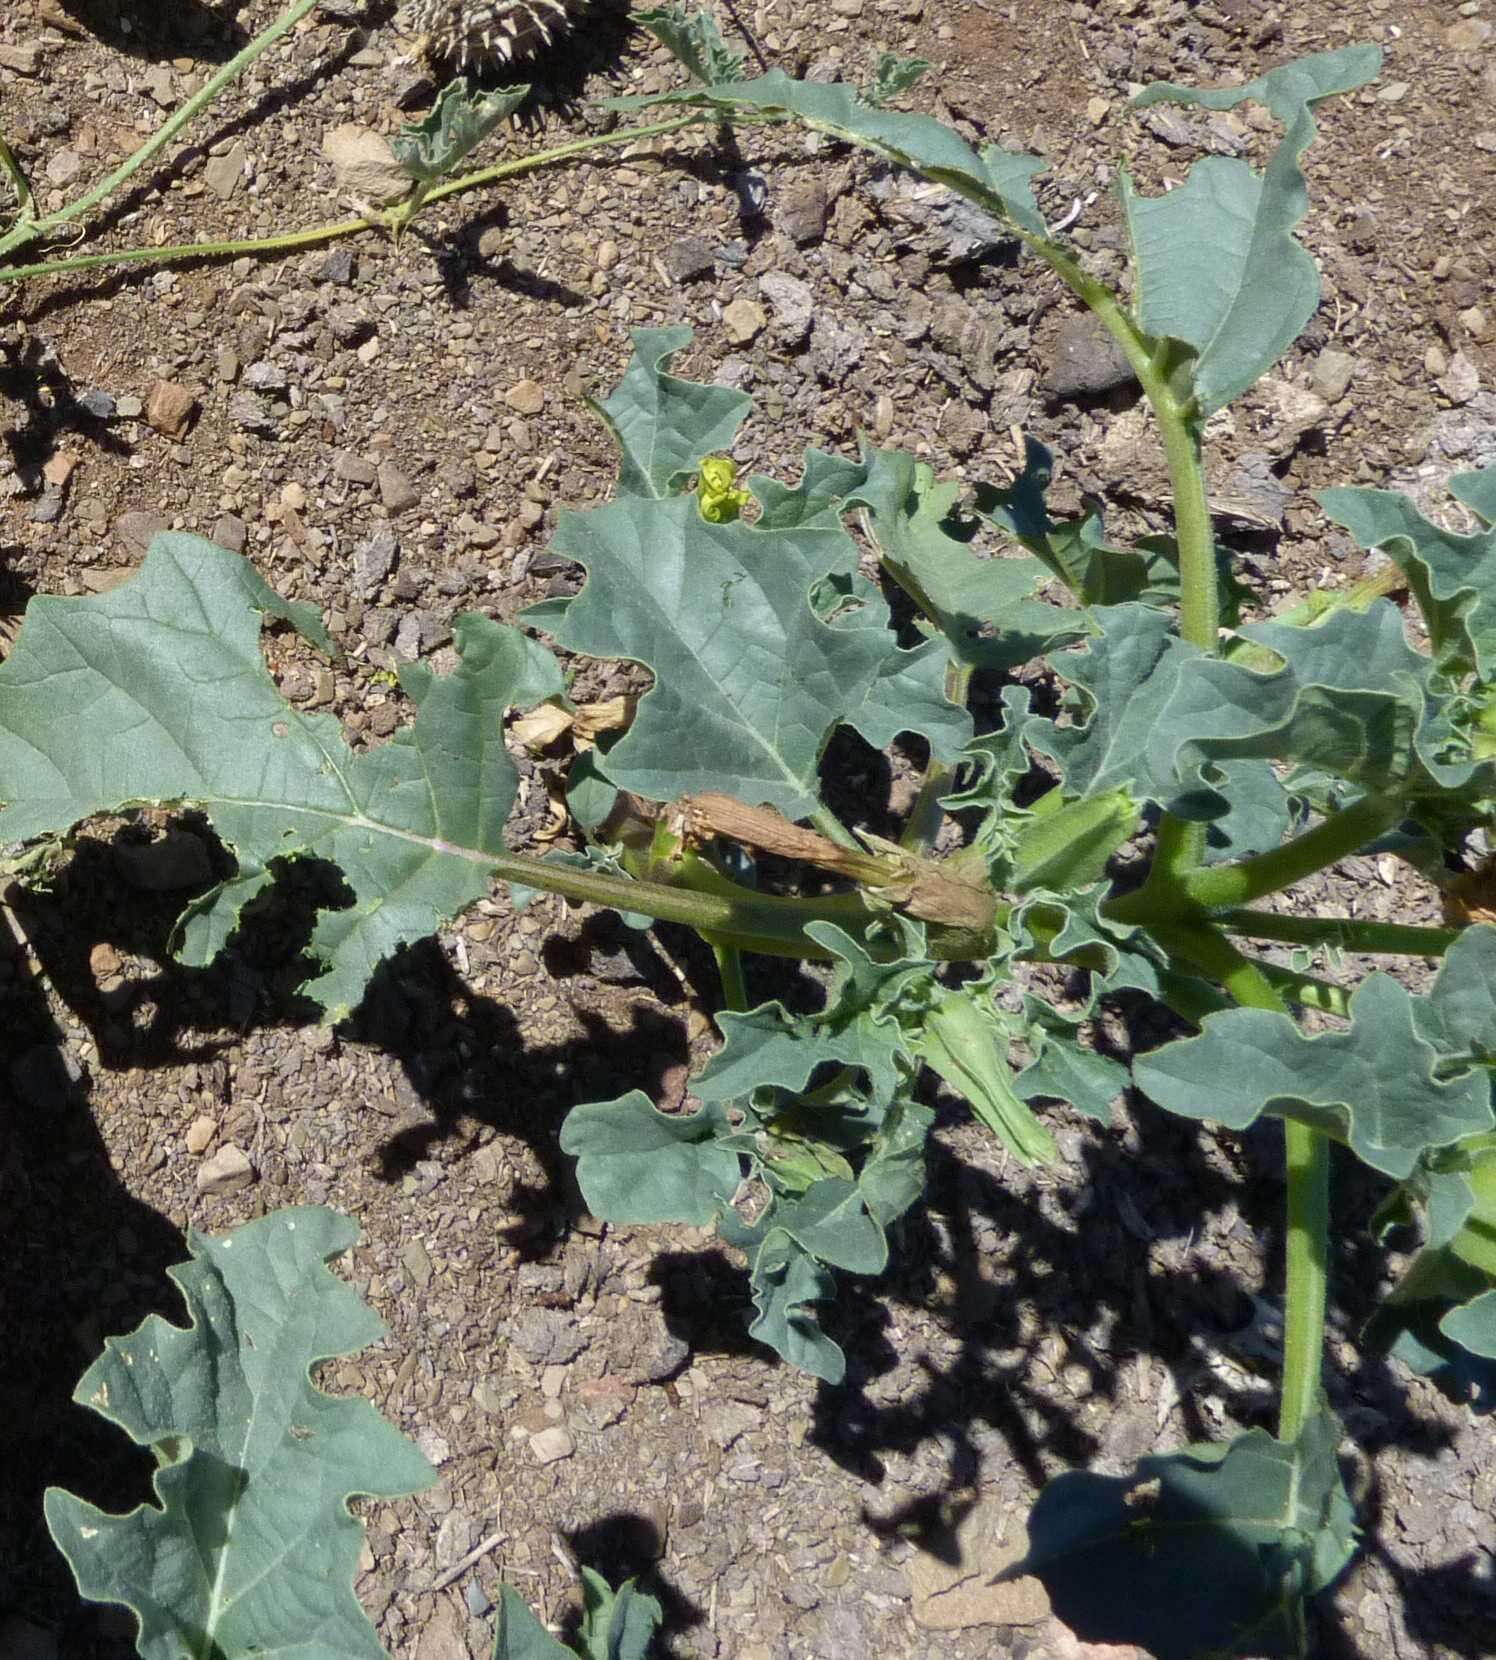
1308, 1169
313, 236
31, 230
1343, 933
1196, 892
1309, 613
770, 924
730, 972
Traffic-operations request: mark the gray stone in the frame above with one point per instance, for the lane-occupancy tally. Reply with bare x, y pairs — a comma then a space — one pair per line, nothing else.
252, 413
336, 268
551, 1445
1086, 360
223, 173
416, 1261
98, 404
375, 559
547, 1336
231, 532
1332, 374
264, 376
49, 509
227, 1171
805, 210
793, 303
353, 469
395, 489
689, 257
136, 529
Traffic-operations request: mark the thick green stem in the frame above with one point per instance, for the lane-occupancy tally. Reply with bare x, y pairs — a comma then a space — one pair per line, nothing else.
730, 972
1311, 612
1306, 1276
1308, 1169
1196, 892
313, 236
30, 230
1342, 933
769, 924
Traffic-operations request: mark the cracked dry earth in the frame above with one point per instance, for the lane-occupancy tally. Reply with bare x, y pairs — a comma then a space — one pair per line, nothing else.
389, 431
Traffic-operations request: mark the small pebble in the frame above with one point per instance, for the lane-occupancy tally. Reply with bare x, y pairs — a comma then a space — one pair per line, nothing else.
526, 397
227, 1171
553, 1444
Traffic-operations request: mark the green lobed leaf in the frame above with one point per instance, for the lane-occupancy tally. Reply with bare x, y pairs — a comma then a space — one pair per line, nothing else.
458, 122
893, 76
768, 1046
636, 1164
1218, 266
696, 40
893, 1177
158, 692
996, 180
787, 1284
520, 1635
1386, 1087
616, 1625
1128, 673
831, 1221
251, 1548
1352, 698
1067, 1070
664, 425
1073, 550
1210, 1551
1477, 491
984, 607
1440, 1318
749, 681
1452, 577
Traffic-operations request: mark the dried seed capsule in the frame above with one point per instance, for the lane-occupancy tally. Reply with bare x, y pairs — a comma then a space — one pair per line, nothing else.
484, 32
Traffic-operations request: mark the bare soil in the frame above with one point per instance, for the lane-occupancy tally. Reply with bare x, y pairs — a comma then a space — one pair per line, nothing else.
1119, 1303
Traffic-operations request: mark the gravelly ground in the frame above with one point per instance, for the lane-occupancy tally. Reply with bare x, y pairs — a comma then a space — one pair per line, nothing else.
389, 432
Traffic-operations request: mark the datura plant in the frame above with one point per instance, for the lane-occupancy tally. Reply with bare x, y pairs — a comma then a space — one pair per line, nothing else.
1233, 760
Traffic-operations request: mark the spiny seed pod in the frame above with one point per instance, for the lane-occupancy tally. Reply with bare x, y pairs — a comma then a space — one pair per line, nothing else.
479, 32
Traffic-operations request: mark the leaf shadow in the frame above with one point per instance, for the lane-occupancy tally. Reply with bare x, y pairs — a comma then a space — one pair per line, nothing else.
36, 379
627, 1544
80, 1258
162, 28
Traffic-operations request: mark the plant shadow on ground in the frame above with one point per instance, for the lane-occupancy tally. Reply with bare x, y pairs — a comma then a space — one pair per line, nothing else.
80, 1258
163, 28
626, 1544
992, 1262
37, 381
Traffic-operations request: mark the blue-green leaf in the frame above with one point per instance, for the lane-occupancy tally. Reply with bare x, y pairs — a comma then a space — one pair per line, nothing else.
250, 1548
984, 607
636, 1164
459, 121
1382, 1087
1218, 265
158, 691
787, 1284
1453, 577
997, 180
1210, 1551
696, 40
665, 425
